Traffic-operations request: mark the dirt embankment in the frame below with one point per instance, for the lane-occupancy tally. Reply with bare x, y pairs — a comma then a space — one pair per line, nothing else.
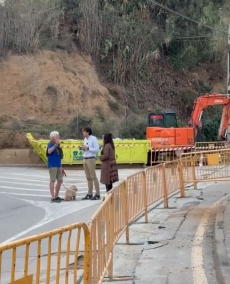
48, 88
52, 88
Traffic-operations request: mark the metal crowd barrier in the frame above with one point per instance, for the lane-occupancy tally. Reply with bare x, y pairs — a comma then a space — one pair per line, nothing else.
65, 255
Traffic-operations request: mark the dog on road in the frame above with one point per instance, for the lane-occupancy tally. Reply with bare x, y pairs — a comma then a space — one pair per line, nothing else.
71, 193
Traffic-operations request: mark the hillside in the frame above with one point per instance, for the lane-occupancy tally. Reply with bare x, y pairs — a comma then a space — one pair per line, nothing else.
48, 89
105, 63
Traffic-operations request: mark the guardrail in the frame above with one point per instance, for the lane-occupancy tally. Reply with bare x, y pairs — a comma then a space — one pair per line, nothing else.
121, 207
206, 166
54, 257
212, 145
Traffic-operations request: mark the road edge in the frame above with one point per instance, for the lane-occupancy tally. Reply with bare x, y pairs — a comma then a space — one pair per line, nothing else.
221, 260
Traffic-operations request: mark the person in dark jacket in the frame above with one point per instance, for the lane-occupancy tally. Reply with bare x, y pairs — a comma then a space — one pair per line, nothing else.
109, 171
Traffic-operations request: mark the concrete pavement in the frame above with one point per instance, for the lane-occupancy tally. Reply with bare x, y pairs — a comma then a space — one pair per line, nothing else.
25, 210
24, 195
177, 245
222, 241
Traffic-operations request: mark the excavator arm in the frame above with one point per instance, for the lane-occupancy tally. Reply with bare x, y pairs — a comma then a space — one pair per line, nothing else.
222, 134
202, 103
163, 130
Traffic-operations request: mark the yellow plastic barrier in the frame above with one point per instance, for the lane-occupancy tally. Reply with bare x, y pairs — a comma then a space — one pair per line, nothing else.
121, 207
47, 257
127, 151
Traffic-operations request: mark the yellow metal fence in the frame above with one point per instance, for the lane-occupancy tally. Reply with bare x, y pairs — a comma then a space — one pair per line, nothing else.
65, 254
206, 166
51, 257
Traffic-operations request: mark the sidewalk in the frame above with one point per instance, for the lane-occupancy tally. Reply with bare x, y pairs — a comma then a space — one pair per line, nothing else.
162, 251
222, 242
133, 260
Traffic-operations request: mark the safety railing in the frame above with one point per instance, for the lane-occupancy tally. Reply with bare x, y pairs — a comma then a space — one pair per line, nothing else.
166, 153
106, 227
212, 145
122, 206
212, 165
51, 257
56, 256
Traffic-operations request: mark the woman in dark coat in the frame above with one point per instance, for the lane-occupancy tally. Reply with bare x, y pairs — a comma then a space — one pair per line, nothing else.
109, 172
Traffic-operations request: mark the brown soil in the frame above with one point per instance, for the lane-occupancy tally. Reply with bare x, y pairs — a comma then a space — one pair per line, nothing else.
54, 87
49, 88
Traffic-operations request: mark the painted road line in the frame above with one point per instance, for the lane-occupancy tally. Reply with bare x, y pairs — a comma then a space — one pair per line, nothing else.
38, 180
78, 184
35, 189
42, 185
123, 173
199, 276
60, 211
43, 190
40, 195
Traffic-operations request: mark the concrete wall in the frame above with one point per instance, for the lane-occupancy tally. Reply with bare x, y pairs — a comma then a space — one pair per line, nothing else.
19, 157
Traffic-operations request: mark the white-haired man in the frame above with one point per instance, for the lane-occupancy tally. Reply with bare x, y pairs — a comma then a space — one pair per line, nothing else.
54, 154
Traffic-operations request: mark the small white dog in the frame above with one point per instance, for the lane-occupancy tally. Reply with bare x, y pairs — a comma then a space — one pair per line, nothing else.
71, 193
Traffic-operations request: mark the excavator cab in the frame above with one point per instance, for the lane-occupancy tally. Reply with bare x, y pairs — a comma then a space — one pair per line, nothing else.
163, 130
163, 119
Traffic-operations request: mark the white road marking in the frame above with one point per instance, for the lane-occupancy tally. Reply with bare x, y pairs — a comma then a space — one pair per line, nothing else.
199, 276
30, 177
40, 185
82, 185
36, 180
35, 189
41, 195
75, 176
50, 216
39, 190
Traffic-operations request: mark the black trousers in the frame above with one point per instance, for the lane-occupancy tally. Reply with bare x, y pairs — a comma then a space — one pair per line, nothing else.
109, 187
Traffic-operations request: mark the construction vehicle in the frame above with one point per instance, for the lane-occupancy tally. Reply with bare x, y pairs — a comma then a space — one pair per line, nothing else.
169, 139
224, 130
165, 140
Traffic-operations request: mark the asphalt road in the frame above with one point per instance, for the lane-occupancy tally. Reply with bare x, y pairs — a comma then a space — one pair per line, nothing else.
25, 207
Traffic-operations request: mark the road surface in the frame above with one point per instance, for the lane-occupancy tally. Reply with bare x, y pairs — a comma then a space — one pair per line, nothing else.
25, 207
178, 244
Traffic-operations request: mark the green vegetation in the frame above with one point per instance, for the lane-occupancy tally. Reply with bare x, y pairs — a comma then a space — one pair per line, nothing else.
128, 127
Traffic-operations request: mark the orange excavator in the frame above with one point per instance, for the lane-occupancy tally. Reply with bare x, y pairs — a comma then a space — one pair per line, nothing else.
224, 130
163, 130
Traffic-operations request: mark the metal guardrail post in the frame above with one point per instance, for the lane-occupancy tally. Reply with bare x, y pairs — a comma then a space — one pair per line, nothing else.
181, 178
111, 229
164, 187
193, 165
145, 203
126, 212
87, 259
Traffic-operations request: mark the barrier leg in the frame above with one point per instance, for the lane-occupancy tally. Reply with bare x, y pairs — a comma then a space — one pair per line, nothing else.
181, 178
193, 172
164, 187
87, 258
126, 212
110, 240
110, 268
145, 197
